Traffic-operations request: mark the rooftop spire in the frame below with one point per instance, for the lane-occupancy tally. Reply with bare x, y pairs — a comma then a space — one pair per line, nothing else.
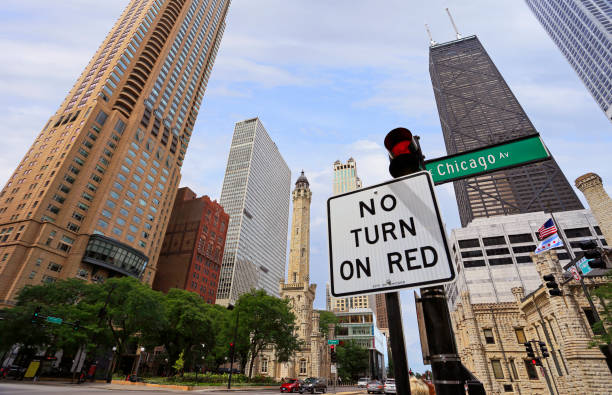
453, 23
431, 40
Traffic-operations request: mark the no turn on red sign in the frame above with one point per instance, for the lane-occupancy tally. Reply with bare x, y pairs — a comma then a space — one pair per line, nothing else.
387, 237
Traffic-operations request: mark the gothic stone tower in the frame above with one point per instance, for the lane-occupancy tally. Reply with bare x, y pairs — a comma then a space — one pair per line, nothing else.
312, 360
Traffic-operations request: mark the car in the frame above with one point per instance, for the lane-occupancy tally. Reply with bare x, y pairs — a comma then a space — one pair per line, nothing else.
390, 386
362, 382
15, 372
375, 387
292, 385
314, 384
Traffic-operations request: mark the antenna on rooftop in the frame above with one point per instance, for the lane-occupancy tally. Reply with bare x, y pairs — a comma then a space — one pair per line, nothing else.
431, 40
453, 23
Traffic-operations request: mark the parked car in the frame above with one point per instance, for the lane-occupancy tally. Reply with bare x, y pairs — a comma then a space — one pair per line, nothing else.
362, 382
292, 385
15, 372
313, 384
375, 387
390, 386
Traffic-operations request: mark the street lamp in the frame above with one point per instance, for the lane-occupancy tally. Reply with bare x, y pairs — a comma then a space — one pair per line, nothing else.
139, 359
109, 368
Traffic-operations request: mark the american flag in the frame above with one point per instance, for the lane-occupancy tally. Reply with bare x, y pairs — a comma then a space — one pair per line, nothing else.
547, 229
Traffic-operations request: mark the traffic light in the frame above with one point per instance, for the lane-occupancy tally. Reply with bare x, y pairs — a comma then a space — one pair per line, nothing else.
529, 349
36, 314
404, 152
76, 325
551, 284
544, 350
536, 361
592, 253
332, 351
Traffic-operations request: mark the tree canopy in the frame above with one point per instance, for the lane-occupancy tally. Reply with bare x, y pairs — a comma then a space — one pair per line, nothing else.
352, 360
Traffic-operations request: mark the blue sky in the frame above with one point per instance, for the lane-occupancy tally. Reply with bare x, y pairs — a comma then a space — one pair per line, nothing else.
327, 79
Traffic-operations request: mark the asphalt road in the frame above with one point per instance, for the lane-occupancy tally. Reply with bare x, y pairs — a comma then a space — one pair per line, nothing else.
7, 387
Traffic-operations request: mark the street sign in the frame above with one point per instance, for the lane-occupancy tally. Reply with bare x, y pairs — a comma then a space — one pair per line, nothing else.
387, 237
518, 152
55, 320
583, 264
574, 273
333, 342
333, 368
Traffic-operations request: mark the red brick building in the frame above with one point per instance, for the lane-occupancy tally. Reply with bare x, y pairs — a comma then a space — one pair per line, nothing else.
192, 250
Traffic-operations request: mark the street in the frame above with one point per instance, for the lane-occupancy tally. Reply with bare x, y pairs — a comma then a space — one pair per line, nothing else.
87, 389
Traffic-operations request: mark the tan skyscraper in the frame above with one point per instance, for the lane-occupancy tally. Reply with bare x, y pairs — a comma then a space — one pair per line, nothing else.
92, 196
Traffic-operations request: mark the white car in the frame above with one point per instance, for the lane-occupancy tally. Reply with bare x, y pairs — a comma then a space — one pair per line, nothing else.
362, 382
390, 386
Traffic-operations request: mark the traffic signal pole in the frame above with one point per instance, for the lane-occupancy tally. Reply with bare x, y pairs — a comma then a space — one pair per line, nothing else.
398, 345
449, 374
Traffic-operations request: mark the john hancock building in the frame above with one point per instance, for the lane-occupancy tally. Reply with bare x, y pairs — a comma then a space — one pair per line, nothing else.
92, 196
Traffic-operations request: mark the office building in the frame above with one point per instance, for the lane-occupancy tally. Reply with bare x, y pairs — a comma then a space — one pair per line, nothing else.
345, 177
477, 109
92, 196
255, 194
492, 255
582, 29
192, 249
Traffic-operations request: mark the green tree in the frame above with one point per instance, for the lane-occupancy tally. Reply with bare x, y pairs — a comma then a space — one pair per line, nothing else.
604, 293
352, 360
188, 328
326, 319
267, 322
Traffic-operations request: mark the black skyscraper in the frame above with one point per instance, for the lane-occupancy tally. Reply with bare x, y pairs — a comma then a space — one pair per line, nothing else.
477, 109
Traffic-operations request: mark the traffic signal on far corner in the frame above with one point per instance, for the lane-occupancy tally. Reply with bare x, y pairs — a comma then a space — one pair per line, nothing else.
593, 254
544, 350
551, 284
332, 353
529, 349
404, 152
36, 314
77, 325
536, 361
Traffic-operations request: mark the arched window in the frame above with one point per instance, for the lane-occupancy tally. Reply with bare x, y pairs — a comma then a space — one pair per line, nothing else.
302, 366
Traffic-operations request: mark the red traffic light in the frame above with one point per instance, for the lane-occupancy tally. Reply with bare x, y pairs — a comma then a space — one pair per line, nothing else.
332, 347
232, 344
533, 362
399, 142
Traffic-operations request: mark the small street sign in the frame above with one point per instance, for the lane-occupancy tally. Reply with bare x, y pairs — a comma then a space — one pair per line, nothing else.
387, 237
55, 320
583, 264
467, 164
575, 273
333, 342
333, 368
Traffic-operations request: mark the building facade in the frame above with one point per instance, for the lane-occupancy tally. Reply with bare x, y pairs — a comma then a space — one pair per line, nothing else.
582, 29
313, 359
491, 336
492, 255
600, 204
255, 194
192, 249
345, 177
92, 196
477, 109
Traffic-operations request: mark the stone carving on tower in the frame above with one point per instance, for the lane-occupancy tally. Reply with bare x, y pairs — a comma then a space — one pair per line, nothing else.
312, 360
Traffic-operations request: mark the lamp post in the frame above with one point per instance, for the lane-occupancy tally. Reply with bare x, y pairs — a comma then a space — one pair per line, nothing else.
142, 349
233, 347
109, 368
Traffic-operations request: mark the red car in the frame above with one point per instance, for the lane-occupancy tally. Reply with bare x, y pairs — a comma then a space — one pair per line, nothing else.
291, 385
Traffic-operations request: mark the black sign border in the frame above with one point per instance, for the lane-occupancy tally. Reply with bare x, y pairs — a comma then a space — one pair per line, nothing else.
395, 287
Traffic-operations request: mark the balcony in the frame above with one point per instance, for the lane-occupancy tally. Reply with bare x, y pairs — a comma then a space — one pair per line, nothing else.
115, 256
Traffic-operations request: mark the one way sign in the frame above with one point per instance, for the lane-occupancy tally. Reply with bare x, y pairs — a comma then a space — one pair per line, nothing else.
387, 237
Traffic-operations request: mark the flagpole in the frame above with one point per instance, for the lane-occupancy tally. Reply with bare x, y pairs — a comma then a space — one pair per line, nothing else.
567, 246
580, 275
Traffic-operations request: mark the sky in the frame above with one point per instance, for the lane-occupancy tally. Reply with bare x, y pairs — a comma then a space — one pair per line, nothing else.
328, 79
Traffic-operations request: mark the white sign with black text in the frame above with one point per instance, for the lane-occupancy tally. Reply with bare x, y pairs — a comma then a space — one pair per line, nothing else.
387, 237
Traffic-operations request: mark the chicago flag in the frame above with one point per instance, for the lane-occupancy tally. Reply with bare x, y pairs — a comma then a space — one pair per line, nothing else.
549, 243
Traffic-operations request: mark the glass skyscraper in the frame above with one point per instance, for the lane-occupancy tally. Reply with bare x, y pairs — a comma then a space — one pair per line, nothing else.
92, 196
256, 193
477, 109
582, 29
